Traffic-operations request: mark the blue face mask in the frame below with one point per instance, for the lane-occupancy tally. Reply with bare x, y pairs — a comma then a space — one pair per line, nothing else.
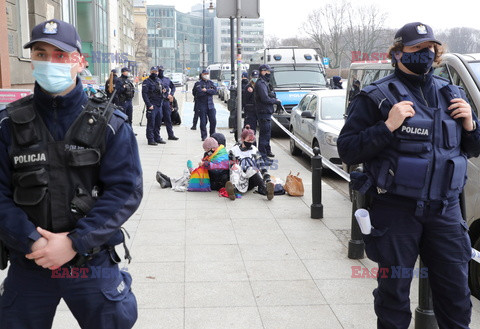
53, 77
254, 80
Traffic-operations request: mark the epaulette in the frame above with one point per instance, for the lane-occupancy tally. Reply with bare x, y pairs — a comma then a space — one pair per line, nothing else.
21, 102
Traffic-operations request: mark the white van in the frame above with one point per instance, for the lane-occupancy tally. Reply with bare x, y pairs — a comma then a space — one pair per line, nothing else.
464, 71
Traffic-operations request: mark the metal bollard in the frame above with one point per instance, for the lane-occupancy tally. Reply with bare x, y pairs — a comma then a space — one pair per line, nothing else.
356, 246
316, 209
424, 316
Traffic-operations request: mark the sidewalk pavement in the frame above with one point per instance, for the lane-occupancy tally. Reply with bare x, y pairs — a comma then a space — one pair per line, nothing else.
203, 261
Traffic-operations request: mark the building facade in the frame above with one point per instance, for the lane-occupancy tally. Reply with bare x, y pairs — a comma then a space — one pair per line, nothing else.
140, 45
252, 38
175, 39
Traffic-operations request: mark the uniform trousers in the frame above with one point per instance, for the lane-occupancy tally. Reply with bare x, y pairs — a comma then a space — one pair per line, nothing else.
405, 229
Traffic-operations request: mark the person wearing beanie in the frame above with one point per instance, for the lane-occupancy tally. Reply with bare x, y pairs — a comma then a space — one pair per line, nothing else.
64, 203
248, 169
215, 160
413, 131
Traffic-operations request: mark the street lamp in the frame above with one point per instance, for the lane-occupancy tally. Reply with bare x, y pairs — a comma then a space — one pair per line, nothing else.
210, 10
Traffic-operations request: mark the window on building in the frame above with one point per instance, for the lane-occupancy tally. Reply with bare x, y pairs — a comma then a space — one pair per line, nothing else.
23, 28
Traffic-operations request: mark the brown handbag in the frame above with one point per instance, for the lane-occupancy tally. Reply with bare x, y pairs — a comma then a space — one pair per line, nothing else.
294, 185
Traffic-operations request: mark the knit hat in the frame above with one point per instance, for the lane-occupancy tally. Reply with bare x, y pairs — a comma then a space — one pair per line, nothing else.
247, 132
210, 143
220, 138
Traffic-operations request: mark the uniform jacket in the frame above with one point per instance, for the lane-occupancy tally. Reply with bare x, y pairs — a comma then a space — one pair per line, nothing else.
120, 87
427, 149
248, 99
120, 174
152, 91
204, 99
264, 98
168, 85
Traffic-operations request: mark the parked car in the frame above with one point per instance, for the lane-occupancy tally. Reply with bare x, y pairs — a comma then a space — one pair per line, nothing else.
317, 121
178, 79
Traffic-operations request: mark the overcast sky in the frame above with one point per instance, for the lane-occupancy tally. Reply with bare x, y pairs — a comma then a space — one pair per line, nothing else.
284, 18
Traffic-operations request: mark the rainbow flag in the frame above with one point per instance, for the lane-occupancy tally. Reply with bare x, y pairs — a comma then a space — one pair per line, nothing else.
199, 180
218, 160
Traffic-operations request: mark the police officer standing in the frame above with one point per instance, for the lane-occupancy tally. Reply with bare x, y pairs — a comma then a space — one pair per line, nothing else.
414, 131
67, 184
204, 90
167, 92
152, 90
248, 101
111, 82
265, 98
125, 93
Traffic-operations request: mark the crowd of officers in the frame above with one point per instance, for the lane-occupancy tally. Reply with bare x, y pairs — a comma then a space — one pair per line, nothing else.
258, 100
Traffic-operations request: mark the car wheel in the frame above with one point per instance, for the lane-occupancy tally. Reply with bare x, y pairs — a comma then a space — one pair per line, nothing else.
294, 150
474, 277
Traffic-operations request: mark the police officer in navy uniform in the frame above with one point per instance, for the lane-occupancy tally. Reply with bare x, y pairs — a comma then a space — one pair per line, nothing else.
414, 131
204, 90
113, 73
168, 92
248, 101
67, 184
125, 92
265, 98
152, 90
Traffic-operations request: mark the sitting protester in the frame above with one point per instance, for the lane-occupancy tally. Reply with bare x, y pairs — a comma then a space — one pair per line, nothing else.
217, 162
247, 171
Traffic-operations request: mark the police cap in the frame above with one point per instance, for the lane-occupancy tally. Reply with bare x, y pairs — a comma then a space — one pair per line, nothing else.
265, 67
414, 33
57, 33
255, 74
154, 68
125, 69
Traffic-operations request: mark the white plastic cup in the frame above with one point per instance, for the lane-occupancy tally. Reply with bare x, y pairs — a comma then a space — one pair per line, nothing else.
476, 255
363, 219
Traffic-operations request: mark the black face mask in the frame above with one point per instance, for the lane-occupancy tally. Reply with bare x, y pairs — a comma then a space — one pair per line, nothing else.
418, 62
153, 75
160, 74
267, 76
248, 145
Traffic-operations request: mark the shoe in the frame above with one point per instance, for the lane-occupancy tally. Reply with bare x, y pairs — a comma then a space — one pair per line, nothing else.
270, 190
193, 128
161, 141
230, 190
152, 143
203, 139
173, 138
164, 183
135, 134
270, 155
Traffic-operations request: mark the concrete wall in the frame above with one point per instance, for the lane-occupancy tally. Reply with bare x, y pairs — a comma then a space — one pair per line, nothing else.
21, 17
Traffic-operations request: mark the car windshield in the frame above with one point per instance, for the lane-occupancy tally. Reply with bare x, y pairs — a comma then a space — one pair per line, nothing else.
333, 107
298, 76
476, 69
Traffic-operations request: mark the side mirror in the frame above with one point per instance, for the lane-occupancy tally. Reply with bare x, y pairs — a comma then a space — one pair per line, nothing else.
308, 115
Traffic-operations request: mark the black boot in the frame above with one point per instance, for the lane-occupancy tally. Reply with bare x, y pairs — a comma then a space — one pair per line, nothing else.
163, 180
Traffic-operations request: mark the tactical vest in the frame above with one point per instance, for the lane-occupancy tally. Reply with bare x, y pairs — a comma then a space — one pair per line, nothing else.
425, 161
56, 182
129, 89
